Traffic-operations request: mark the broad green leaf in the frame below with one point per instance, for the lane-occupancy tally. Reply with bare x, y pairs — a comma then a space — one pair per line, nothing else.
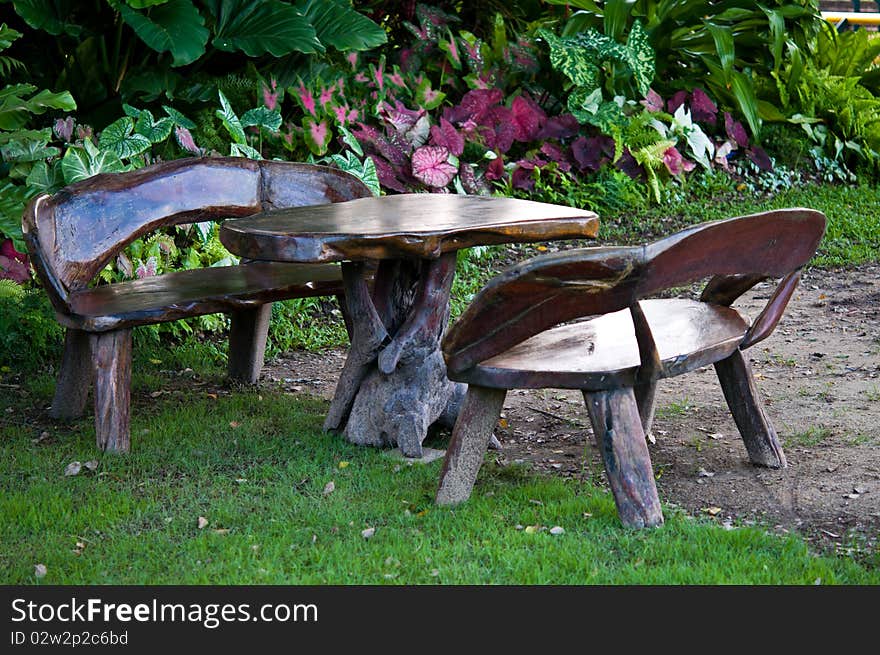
175, 26
119, 137
262, 117
78, 164
571, 59
155, 131
724, 45
143, 4
337, 24
259, 27
617, 14
16, 108
7, 36
350, 140
230, 120
744, 92
48, 16
27, 150
13, 198
640, 57
44, 178
179, 119
243, 150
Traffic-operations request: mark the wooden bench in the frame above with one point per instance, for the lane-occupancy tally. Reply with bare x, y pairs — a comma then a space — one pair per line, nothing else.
73, 234
514, 335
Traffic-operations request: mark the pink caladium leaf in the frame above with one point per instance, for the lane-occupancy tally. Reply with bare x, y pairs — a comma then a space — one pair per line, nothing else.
377, 75
398, 116
317, 135
472, 184
495, 169
326, 96
722, 152
673, 161
185, 140
735, 131
447, 136
555, 153
306, 99
703, 110
430, 164
652, 102
676, 101
523, 175
451, 48
352, 59
563, 126
628, 164
528, 118
520, 56
64, 128
148, 269
396, 79
270, 94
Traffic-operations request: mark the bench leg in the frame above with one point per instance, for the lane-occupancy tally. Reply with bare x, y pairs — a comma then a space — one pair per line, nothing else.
645, 395
618, 427
74, 378
470, 438
738, 385
247, 343
112, 354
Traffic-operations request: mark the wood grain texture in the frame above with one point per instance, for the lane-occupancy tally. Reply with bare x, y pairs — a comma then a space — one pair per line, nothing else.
248, 330
467, 446
615, 418
111, 352
400, 226
755, 428
74, 378
183, 294
84, 225
603, 352
770, 316
551, 289
406, 389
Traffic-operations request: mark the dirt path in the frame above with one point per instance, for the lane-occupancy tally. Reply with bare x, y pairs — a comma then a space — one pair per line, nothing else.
820, 377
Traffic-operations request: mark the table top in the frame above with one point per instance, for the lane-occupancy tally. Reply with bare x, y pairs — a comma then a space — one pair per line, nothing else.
419, 225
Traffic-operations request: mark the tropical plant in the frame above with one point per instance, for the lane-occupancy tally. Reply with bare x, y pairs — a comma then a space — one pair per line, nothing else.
722, 45
20, 147
140, 50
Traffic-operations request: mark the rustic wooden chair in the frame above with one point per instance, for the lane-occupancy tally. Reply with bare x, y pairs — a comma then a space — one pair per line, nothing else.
74, 233
506, 339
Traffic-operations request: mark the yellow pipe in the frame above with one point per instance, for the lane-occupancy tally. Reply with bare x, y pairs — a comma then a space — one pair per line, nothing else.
865, 18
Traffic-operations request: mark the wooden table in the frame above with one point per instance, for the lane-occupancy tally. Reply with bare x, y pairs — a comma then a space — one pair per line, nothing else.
393, 385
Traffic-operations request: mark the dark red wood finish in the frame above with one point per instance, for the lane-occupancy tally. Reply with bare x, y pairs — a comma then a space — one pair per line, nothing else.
74, 233
506, 339
394, 383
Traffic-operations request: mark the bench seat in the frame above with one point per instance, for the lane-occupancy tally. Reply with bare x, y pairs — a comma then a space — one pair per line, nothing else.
184, 294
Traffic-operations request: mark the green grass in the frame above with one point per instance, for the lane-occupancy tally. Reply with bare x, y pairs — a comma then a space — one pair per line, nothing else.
812, 436
255, 465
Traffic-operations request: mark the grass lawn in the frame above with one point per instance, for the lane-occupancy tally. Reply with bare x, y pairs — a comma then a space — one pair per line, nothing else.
255, 465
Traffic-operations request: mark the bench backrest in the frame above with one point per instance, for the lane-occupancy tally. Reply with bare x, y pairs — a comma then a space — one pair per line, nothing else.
75, 232
539, 293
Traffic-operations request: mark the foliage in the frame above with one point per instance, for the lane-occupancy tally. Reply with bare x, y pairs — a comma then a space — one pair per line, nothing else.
722, 46
134, 51
21, 148
26, 317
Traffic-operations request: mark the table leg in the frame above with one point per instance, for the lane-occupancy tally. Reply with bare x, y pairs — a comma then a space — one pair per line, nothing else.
394, 389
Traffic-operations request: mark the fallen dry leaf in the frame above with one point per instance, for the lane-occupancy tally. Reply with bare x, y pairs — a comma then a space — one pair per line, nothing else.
234, 424
531, 529
72, 469
343, 464
329, 488
503, 424
703, 473
369, 532
212, 396
557, 529
221, 531
713, 511
91, 465
40, 570
716, 435
203, 523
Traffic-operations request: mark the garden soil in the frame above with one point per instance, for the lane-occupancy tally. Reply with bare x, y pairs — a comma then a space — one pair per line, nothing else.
819, 376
